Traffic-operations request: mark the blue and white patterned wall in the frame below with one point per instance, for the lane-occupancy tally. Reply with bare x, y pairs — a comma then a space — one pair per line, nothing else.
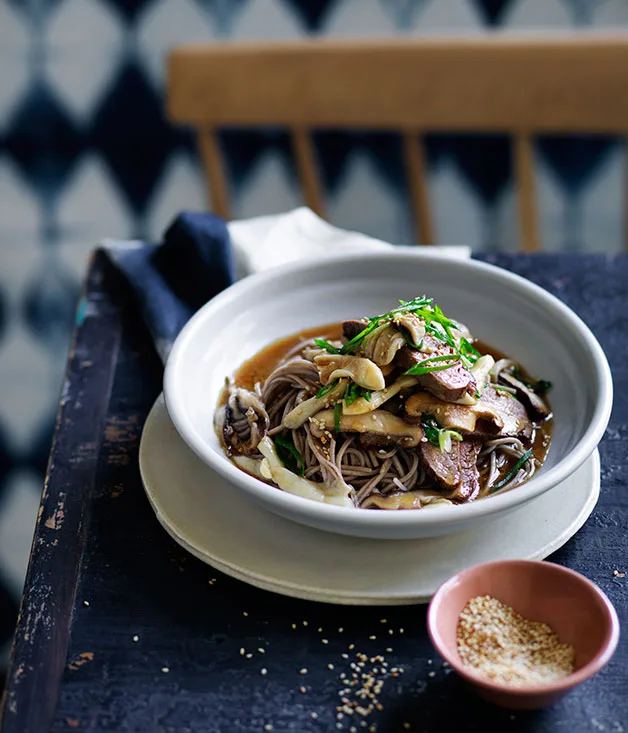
85, 153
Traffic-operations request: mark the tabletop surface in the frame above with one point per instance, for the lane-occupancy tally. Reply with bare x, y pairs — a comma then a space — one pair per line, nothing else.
121, 629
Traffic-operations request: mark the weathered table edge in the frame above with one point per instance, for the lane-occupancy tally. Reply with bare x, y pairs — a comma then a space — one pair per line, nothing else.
44, 621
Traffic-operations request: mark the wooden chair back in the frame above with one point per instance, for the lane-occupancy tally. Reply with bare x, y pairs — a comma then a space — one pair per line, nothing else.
520, 86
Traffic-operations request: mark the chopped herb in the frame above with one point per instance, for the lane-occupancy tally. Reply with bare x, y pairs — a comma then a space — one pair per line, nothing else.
468, 353
513, 472
337, 416
289, 455
354, 392
440, 437
427, 365
329, 348
505, 390
445, 437
410, 306
327, 388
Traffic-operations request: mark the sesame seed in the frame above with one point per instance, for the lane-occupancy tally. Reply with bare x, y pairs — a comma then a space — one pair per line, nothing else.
305, 623
390, 631
268, 726
320, 631
406, 726
372, 637
244, 613
165, 669
303, 671
249, 656
261, 650
431, 674
314, 715
389, 650
86, 603
242, 651
303, 690
263, 670
401, 631
136, 638
340, 630
324, 641
330, 666
351, 646
344, 656
383, 621
503, 646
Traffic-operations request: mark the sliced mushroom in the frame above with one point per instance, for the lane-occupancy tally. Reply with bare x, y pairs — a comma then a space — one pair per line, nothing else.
338, 492
417, 499
412, 324
361, 371
526, 395
453, 416
376, 399
388, 428
295, 418
242, 421
481, 371
382, 344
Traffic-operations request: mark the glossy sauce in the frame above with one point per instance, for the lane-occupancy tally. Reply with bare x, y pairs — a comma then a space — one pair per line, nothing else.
258, 367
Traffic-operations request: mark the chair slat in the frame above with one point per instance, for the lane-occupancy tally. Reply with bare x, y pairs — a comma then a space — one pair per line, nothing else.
528, 209
414, 157
214, 172
307, 170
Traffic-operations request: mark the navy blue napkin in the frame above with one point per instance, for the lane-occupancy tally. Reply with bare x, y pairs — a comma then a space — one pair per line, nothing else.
174, 279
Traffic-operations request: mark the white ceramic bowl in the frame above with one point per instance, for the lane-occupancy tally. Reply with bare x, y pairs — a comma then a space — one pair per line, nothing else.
502, 309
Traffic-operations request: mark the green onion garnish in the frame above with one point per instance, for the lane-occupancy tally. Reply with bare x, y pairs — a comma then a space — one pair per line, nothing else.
410, 306
337, 416
329, 348
440, 437
512, 473
468, 353
426, 366
327, 388
289, 455
354, 392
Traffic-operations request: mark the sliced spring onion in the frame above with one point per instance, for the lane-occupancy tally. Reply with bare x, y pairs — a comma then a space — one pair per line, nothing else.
468, 353
427, 365
327, 388
289, 455
512, 473
440, 437
354, 391
329, 348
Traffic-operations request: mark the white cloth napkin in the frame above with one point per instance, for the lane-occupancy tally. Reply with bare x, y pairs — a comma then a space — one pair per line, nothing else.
268, 241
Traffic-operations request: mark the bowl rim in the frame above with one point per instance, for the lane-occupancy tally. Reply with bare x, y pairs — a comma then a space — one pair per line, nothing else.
599, 660
438, 515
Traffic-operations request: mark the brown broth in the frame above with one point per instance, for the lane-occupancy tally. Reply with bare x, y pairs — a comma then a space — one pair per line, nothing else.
258, 367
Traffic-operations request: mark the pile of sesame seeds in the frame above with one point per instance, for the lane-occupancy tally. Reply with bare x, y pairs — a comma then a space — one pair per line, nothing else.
503, 646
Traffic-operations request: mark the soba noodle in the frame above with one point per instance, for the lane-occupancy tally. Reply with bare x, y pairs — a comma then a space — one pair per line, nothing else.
372, 470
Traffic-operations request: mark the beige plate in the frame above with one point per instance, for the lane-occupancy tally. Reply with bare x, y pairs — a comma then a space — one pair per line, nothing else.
223, 528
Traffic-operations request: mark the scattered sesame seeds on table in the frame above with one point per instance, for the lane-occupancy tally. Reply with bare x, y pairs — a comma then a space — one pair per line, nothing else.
235, 654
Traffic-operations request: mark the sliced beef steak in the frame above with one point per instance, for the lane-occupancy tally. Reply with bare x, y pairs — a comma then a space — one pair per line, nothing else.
448, 385
456, 471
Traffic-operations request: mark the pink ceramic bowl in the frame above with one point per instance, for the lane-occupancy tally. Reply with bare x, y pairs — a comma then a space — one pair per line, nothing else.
574, 607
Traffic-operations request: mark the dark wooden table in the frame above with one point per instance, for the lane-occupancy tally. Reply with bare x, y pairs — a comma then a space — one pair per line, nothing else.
120, 629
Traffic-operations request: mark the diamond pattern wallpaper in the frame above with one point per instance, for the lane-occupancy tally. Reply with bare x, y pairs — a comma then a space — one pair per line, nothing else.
86, 153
